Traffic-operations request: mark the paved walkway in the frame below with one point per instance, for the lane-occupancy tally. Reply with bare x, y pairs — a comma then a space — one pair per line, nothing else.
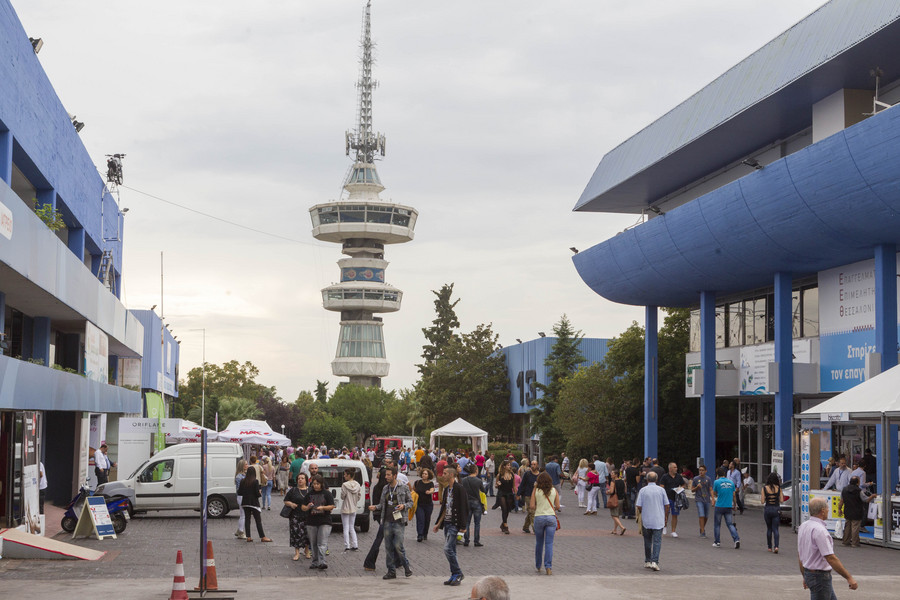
585, 558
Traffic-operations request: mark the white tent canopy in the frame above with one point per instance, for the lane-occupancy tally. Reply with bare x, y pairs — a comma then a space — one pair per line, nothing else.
462, 428
189, 431
249, 431
872, 398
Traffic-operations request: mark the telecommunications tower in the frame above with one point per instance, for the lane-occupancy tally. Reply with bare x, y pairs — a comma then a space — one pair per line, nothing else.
362, 223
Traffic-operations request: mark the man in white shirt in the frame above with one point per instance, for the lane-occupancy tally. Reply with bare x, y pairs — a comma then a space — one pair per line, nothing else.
102, 464
489, 475
840, 477
603, 474
858, 471
653, 508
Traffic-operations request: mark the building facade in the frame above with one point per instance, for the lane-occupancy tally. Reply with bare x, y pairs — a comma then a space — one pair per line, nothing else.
526, 368
771, 204
65, 333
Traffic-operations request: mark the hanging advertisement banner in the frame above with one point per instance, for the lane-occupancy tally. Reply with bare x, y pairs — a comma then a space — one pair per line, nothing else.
156, 409
96, 353
846, 324
778, 463
755, 361
804, 476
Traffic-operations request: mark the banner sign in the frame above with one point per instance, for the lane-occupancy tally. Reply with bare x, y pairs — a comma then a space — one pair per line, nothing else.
138, 424
95, 520
755, 364
846, 324
778, 463
804, 476
96, 354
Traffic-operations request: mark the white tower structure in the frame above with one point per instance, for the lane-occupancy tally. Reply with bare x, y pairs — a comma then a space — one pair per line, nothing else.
363, 223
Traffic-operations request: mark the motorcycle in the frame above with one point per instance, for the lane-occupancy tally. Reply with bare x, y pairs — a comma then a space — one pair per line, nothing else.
118, 510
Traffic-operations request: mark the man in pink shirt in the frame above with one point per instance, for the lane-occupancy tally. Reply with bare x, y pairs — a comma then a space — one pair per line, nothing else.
816, 551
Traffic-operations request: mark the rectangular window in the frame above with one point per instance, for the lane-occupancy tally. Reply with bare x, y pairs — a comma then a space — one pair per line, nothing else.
796, 316
694, 344
811, 312
736, 324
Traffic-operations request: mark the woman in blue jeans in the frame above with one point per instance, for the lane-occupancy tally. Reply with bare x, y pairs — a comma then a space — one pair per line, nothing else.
773, 496
545, 504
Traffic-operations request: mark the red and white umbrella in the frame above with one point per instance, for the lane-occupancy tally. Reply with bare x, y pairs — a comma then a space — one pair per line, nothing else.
189, 432
249, 431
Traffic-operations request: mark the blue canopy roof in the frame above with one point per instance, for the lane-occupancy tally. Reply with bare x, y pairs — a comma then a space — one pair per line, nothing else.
824, 206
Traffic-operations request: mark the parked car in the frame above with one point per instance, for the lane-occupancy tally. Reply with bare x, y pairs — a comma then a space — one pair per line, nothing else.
332, 469
170, 480
786, 509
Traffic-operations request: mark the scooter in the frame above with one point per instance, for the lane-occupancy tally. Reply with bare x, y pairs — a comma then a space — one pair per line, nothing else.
118, 510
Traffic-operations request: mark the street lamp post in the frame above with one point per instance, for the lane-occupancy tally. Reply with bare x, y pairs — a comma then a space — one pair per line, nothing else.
203, 380
282, 429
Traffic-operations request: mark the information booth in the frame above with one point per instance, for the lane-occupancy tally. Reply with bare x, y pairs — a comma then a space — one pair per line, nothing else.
872, 409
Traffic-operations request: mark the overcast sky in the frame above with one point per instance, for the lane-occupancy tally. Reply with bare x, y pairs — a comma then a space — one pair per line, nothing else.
496, 114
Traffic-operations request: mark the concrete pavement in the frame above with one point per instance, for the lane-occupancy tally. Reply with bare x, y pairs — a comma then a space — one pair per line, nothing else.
140, 564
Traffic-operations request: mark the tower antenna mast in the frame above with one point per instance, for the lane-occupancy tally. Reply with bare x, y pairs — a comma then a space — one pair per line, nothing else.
363, 140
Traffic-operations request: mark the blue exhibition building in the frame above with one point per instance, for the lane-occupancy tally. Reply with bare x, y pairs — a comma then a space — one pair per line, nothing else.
771, 206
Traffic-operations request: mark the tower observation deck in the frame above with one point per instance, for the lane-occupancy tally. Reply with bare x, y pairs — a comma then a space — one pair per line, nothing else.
363, 224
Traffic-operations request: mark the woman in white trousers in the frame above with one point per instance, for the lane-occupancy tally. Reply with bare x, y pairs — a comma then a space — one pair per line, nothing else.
350, 494
593, 480
238, 478
581, 483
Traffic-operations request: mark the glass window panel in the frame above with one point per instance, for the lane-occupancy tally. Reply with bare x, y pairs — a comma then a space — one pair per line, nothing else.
796, 328
328, 215
374, 296
348, 215
400, 220
770, 317
720, 327
811, 312
736, 324
353, 295
376, 216
694, 345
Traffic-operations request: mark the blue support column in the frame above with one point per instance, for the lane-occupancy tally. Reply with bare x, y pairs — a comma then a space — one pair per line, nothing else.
46, 196
784, 357
651, 381
886, 345
886, 304
891, 457
41, 337
76, 242
708, 365
6, 156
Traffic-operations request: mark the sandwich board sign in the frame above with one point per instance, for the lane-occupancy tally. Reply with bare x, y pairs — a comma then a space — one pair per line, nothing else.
94, 520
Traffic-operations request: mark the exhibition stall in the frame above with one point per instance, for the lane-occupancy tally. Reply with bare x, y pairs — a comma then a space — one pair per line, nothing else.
462, 428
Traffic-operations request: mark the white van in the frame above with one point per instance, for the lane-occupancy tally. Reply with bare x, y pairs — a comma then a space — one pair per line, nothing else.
170, 480
332, 469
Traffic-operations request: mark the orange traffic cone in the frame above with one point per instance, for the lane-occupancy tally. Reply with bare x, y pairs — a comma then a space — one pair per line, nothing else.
178, 590
211, 583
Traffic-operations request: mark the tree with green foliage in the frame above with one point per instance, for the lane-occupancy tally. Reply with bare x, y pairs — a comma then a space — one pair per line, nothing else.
562, 362
321, 392
237, 409
327, 429
600, 408
232, 379
442, 330
361, 408
468, 380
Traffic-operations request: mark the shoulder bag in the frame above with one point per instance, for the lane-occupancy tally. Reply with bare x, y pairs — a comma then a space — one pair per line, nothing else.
612, 500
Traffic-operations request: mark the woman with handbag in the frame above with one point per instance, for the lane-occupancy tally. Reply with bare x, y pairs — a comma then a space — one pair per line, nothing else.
250, 494
580, 481
506, 494
424, 487
318, 520
295, 498
615, 500
593, 490
545, 503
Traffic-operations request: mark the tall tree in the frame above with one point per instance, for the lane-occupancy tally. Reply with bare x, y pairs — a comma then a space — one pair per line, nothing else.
468, 380
605, 402
321, 391
442, 330
232, 379
562, 362
361, 408
237, 409
327, 429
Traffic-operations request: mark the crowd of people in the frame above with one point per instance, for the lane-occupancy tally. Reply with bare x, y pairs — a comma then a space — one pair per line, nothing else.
450, 492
